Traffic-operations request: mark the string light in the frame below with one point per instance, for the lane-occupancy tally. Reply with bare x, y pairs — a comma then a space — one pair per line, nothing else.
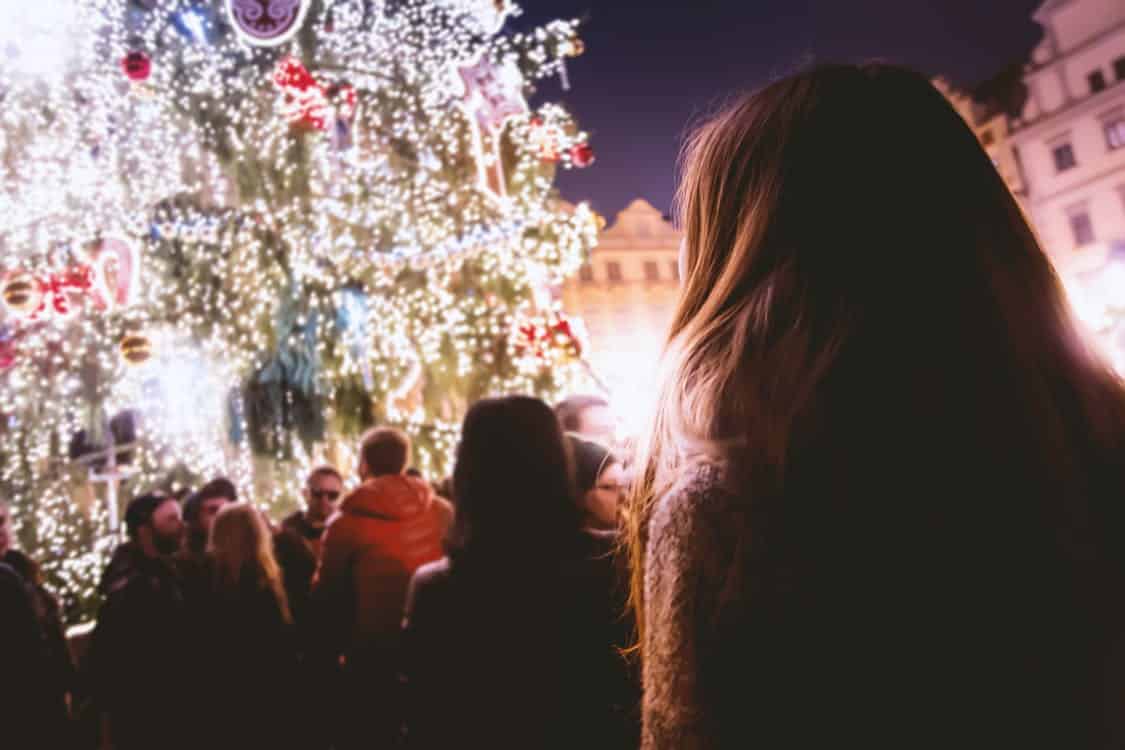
222, 231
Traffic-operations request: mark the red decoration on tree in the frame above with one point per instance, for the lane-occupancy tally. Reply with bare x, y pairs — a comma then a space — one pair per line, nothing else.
551, 340
137, 66
59, 289
582, 155
310, 105
7, 352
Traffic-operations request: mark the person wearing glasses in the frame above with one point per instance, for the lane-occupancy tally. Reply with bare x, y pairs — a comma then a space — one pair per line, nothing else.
599, 482
297, 543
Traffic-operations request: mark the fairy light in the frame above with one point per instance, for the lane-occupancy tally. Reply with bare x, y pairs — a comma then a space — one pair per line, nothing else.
221, 227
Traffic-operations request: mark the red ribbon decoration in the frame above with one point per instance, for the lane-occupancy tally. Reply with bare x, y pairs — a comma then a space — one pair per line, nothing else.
539, 339
57, 288
310, 104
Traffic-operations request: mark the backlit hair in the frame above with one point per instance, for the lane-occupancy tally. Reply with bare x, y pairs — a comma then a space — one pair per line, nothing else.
853, 260
241, 547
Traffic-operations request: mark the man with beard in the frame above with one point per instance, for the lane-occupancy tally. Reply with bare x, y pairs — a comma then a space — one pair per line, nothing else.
137, 659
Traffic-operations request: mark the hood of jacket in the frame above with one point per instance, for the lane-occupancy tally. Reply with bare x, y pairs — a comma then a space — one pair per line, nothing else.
391, 497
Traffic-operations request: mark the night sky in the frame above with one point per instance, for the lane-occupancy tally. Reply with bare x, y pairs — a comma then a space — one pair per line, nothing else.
650, 68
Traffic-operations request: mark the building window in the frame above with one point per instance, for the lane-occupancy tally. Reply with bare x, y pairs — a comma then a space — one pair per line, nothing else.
613, 272
1064, 157
1082, 227
1119, 68
986, 138
675, 268
1115, 131
586, 273
1097, 81
652, 271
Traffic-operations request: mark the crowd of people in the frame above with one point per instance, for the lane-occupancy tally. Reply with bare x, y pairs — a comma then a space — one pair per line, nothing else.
364, 619
880, 504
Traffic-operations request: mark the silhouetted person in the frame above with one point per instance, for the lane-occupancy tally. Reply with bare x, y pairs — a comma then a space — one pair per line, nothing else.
55, 680
588, 416
512, 641
199, 511
599, 482
298, 542
249, 660
139, 656
387, 527
881, 503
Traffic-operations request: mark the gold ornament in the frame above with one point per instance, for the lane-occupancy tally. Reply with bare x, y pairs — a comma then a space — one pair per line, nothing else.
574, 47
21, 293
135, 348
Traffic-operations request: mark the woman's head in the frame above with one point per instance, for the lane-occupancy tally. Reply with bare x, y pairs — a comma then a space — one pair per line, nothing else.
599, 481
842, 203
849, 248
512, 484
241, 547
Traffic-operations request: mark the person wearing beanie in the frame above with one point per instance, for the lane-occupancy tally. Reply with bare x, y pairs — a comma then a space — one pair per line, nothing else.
137, 663
599, 482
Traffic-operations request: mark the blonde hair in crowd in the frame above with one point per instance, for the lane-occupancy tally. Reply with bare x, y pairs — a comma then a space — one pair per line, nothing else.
241, 546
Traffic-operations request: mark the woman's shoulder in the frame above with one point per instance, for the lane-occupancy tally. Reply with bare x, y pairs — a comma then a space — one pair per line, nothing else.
702, 493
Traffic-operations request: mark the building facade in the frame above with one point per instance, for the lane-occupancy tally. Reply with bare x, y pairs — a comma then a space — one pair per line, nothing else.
625, 295
1070, 135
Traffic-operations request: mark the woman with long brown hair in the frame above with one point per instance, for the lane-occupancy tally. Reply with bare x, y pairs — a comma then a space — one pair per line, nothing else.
881, 503
249, 658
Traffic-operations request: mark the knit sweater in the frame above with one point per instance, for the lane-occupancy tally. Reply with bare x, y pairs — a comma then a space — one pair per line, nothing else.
686, 556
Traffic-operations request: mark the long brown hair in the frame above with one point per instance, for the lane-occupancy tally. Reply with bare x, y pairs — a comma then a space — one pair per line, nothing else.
853, 261
241, 548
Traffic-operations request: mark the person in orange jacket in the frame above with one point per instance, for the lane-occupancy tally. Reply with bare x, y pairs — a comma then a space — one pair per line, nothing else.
386, 528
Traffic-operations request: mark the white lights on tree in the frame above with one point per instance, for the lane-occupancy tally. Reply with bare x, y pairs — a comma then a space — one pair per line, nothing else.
262, 242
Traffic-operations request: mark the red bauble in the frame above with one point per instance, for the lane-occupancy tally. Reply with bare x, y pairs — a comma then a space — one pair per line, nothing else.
582, 155
136, 65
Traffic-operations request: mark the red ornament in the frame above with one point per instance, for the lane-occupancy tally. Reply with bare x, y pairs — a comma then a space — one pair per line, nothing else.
7, 352
137, 66
309, 104
582, 155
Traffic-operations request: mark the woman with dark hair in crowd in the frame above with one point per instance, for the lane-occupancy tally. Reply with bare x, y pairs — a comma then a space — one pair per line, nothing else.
511, 641
249, 666
599, 480
881, 504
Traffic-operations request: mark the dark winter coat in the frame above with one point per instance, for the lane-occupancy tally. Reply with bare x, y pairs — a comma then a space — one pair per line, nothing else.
249, 668
297, 548
32, 709
140, 651
521, 657
60, 677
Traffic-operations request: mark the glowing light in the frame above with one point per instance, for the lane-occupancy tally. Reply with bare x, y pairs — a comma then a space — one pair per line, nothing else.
36, 40
223, 235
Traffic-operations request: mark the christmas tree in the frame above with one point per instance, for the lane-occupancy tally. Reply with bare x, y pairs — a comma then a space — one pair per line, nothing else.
236, 233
